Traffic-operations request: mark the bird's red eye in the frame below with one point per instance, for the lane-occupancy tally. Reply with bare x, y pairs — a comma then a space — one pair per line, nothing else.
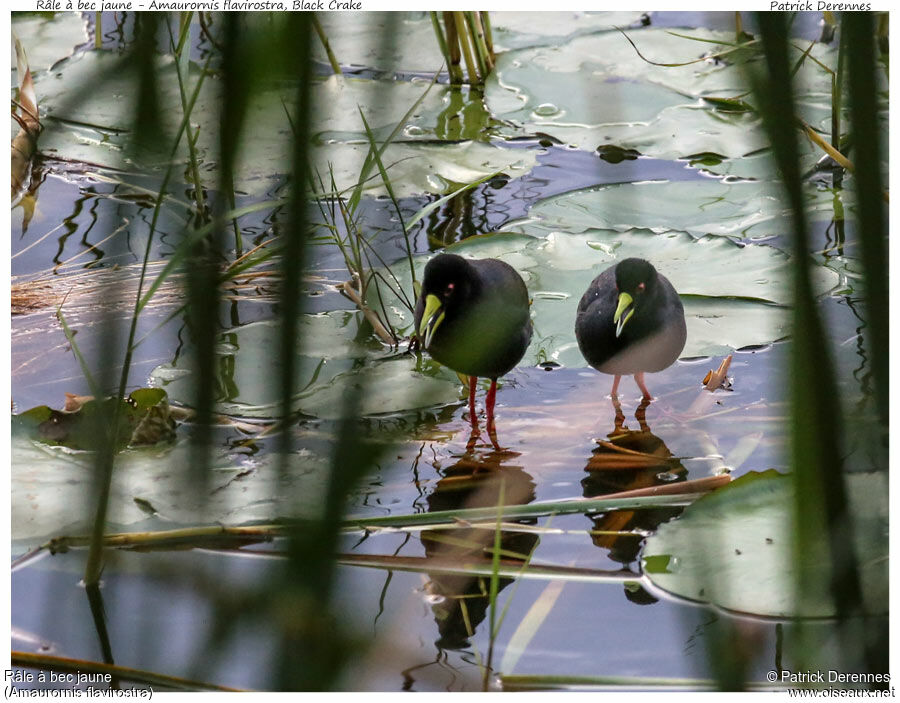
640, 286
450, 287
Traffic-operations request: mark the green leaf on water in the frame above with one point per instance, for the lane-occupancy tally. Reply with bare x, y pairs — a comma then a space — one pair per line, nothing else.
657, 564
335, 351
596, 89
96, 129
47, 39
734, 548
144, 419
52, 489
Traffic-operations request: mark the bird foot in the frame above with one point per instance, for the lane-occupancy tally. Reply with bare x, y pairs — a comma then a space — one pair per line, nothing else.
492, 435
473, 439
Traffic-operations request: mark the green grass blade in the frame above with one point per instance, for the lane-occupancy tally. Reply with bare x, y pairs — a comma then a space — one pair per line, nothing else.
518, 512
530, 624
505, 569
369, 162
390, 189
335, 65
180, 255
432, 206
96, 391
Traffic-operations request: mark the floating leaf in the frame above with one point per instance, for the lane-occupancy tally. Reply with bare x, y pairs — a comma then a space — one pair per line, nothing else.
144, 419
734, 548
360, 42
423, 168
602, 91
52, 489
48, 39
334, 354
516, 30
96, 129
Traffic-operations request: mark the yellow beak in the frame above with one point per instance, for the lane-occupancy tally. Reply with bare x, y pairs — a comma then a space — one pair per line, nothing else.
431, 319
625, 303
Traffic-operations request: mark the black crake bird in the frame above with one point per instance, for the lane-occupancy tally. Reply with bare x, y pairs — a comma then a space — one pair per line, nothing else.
630, 321
473, 316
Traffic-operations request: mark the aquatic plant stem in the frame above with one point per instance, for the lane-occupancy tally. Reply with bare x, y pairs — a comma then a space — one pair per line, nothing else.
821, 505
873, 220
179, 63
351, 292
442, 42
456, 72
837, 84
479, 51
494, 587
463, 37
680, 493
390, 189
335, 65
94, 564
485, 19
839, 158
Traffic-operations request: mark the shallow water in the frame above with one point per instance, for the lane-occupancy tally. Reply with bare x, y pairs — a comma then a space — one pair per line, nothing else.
159, 607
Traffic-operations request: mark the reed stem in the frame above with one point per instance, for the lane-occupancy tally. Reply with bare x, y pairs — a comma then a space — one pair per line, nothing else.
456, 72
335, 66
463, 36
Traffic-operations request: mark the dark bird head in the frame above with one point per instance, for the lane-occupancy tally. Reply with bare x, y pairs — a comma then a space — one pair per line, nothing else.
447, 284
636, 282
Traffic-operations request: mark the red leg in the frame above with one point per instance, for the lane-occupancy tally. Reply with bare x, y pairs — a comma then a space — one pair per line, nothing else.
615, 389
473, 381
639, 377
489, 401
489, 404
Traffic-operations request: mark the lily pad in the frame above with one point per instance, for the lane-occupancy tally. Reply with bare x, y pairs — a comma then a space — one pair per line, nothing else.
596, 89
47, 39
95, 130
516, 30
364, 39
360, 39
734, 549
144, 419
739, 299
422, 168
334, 356
52, 489
742, 209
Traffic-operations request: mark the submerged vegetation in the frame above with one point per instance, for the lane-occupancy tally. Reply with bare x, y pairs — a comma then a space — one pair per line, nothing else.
255, 198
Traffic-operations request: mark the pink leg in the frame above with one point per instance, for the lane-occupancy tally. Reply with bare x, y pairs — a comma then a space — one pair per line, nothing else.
615, 389
639, 378
473, 380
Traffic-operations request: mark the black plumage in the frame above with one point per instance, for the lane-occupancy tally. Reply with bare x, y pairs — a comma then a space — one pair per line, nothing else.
630, 321
473, 316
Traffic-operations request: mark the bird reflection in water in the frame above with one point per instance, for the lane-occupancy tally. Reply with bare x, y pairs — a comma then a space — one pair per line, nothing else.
628, 460
478, 479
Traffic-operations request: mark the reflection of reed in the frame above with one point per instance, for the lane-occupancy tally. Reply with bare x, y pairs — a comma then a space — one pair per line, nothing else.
478, 479
628, 460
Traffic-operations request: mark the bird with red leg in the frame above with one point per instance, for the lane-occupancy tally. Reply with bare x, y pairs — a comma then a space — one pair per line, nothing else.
473, 317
